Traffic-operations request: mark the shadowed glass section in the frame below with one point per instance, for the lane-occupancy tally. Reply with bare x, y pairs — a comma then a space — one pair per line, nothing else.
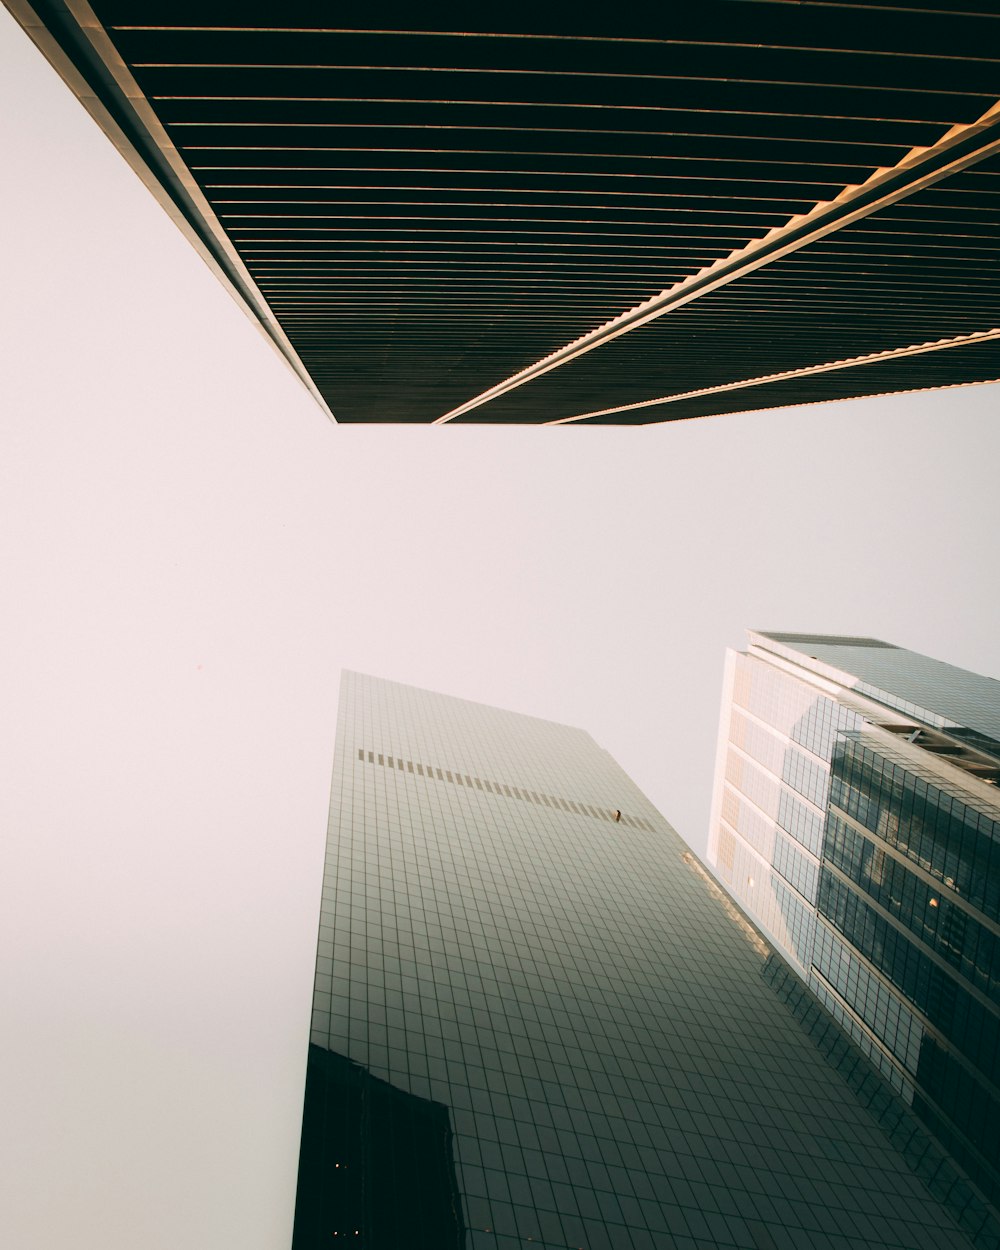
375, 1167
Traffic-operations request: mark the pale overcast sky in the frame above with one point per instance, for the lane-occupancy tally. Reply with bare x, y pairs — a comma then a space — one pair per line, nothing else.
191, 552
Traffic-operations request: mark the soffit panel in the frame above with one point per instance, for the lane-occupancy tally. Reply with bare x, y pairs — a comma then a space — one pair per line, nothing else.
427, 212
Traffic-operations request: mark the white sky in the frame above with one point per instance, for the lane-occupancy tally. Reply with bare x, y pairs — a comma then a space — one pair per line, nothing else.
191, 552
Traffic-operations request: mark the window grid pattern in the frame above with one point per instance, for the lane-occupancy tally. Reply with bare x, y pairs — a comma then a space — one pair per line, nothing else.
950, 839
804, 825
617, 1072
862, 1038
780, 772
889, 1018
727, 852
799, 920
809, 777
797, 869
776, 908
774, 697
748, 822
760, 788
757, 742
966, 1021
818, 729
927, 911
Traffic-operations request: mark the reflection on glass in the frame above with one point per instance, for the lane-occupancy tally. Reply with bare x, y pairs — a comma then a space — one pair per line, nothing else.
375, 1167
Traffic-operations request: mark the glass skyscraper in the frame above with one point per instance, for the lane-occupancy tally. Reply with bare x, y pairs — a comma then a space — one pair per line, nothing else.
856, 818
539, 1022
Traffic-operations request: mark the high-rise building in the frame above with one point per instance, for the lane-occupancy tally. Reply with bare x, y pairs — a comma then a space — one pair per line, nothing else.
539, 1022
534, 214
856, 818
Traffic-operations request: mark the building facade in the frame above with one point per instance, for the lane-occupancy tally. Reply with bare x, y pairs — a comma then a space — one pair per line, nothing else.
537, 1020
856, 819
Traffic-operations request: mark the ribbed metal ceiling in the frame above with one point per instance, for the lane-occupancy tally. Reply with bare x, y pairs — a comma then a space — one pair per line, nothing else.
428, 213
